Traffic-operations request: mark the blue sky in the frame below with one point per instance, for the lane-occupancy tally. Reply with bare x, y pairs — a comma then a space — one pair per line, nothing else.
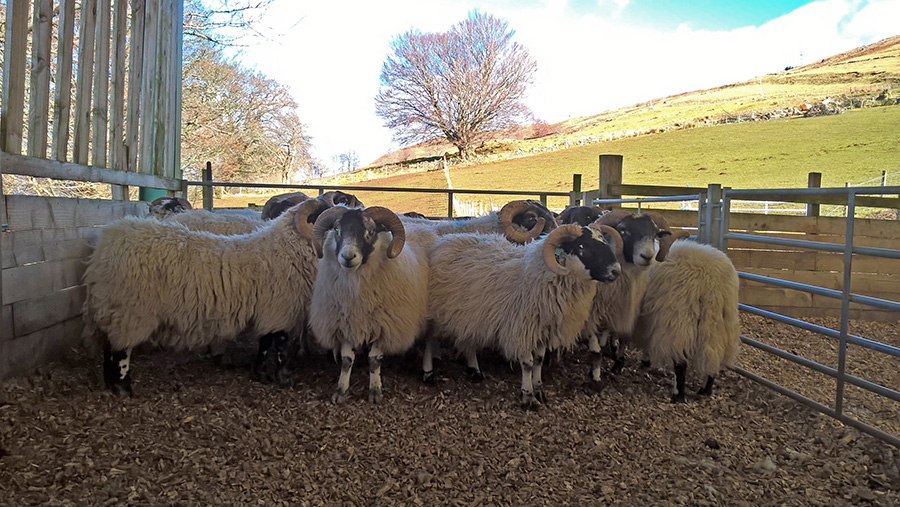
592, 55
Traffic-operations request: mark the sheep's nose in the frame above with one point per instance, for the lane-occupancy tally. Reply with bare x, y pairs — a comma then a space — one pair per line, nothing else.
615, 271
348, 256
646, 257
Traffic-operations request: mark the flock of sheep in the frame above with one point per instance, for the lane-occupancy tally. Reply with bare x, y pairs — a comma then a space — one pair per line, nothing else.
332, 273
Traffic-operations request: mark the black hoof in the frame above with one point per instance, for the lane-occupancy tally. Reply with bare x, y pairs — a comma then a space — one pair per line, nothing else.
428, 377
678, 398
260, 375
284, 378
645, 363
704, 392
532, 404
540, 396
617, 366
475, 376
339, 398
596, 386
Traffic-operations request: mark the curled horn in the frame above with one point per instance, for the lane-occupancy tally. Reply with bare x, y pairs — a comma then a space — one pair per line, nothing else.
505, 217
666, 243
618, 246
611, 218
659, 220
302, 215
552, 241
184, 203
387, 218
550, 220
323, 224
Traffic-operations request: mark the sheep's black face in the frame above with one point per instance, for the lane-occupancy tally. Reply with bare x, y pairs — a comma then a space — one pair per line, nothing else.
280, 207
594, 250
640, 237
355, 236
581, 215
527, 219
344, 198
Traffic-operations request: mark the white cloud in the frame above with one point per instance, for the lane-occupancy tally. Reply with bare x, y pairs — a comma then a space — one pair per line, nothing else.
587, 64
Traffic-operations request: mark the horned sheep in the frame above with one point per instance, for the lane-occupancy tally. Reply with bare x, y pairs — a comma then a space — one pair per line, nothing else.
616, 305
522, 300
155, 281
371, 289
689, 313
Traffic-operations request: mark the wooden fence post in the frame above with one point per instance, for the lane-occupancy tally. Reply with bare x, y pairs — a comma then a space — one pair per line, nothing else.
208, 190
575, 194
815, 181
610, 174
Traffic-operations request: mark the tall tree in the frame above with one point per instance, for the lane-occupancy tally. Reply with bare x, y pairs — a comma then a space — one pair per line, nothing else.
456, 85
242, 121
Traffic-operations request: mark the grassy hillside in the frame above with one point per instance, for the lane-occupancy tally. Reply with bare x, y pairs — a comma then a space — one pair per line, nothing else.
851, 147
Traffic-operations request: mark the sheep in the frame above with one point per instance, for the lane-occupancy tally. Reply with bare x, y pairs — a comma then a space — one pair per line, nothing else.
158, 282
522, 300
371, 289
689, 313
616, 305
226, 224
523, 214
165, 206
581, 215
277, 204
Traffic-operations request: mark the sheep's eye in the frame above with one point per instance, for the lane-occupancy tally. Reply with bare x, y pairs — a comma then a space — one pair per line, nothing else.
579, 249
624, 232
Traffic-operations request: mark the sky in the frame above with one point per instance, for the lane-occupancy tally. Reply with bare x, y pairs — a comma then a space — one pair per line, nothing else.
592, 55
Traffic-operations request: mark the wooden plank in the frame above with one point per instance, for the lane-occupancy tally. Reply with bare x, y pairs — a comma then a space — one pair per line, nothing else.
62, 101
12, 101
83, 82
6, 323
773, 259
148, 79
756, 295
162, 162
36, 280
100, 109
42, 168
39, 101
28, 212
754, 222
886, 229
42, 245
177, 63
117, 101
39, 313
135, 78
22, 354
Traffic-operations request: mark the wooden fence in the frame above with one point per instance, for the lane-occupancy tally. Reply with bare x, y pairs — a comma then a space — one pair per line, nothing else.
111, 114
43, 257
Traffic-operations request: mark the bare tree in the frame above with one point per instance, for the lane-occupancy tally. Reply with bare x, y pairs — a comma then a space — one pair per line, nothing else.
457, 85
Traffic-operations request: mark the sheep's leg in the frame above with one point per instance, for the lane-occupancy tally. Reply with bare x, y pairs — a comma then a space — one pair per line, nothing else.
472, 368
707, 389
282, 372
529, 402
375, 359
617, 349
431, 346
680, 371
347, 356
259, 370
596, 361
537, 382
117, 370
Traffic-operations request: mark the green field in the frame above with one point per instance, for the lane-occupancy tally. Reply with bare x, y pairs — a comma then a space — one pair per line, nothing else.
848, 148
